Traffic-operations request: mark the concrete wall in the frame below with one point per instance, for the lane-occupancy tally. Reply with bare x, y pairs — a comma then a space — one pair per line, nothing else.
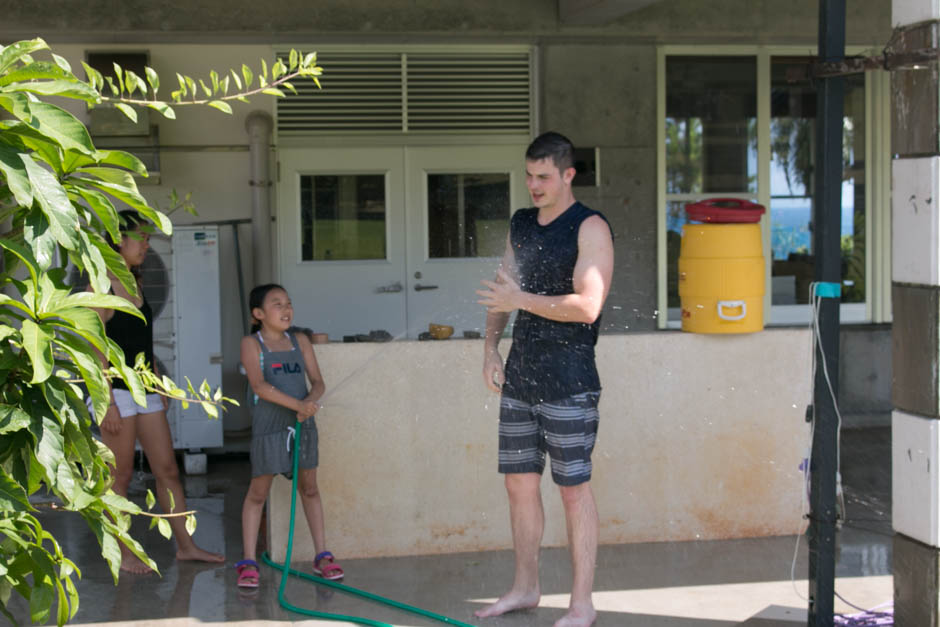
674, 21
701, 437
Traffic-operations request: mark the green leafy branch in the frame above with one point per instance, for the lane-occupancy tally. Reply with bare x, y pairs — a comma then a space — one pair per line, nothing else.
127, 88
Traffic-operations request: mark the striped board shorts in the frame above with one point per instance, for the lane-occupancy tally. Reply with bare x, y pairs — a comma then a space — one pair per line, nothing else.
566, 429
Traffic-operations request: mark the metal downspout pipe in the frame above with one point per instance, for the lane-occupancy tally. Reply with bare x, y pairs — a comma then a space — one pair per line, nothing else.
259, 126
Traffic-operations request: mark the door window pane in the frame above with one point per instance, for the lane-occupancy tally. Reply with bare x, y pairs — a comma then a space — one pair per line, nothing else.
711, 113
793, 155
468, 214
342, 217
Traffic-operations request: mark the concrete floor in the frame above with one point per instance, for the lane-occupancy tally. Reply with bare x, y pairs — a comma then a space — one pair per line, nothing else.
692, 584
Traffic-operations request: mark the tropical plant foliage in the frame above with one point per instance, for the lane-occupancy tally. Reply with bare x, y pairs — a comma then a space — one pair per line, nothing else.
60, 197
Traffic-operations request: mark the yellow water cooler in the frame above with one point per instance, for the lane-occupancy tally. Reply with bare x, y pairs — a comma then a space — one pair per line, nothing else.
721, 267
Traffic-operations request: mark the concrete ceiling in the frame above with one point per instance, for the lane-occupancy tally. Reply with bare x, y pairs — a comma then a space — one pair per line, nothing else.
597, 12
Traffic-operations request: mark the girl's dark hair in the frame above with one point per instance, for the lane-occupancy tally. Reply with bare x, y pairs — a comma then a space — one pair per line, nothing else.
129, 220
256, 300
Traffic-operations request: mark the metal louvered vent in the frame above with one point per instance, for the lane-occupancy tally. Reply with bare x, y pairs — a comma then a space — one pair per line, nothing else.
415, 93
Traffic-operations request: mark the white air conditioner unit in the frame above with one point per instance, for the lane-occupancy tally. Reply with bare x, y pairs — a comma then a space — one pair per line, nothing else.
181, 282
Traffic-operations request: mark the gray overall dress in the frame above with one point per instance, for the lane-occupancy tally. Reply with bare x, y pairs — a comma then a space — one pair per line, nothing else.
272, 439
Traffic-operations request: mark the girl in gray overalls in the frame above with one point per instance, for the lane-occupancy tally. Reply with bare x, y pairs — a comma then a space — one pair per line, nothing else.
278, 364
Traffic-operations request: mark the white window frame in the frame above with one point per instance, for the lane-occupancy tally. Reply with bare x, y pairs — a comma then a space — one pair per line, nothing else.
877, 305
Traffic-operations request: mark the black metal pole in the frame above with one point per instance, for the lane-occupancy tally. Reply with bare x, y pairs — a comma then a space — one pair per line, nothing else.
827, 221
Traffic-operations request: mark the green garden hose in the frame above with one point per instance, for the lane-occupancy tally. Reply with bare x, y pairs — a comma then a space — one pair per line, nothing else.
287, 570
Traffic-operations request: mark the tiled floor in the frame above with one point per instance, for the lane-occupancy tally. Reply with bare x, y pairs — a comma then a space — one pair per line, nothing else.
693, 584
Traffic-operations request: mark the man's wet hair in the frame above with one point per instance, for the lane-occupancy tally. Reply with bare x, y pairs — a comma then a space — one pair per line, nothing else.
554, 146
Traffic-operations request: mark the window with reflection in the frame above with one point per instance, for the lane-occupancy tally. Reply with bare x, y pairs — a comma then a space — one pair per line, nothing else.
792, 161
342, 217
468, 214
711, 139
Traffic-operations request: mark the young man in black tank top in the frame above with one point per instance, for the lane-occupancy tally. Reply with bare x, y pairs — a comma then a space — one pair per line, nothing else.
556, 272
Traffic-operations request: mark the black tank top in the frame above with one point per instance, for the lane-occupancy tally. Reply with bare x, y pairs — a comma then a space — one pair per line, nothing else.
133, 335
549, 360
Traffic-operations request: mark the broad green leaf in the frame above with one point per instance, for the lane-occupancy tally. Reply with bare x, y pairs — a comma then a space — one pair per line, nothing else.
64, 481
191, 524
112, 261
62, 62
221, 106
112, 175
12, 496
122, 159
153, 78
15, 51
103, 209
31, 139
78, 440
89, 366
273, 91
101, 301
132, 198
246, 72
72, 160
12, 418
54, 201
38, 70
127, 110
237, 79
119, 73
134, 82
151, 500
50, 448
42, 596
94, 76
55, 123
12, 168
264, 69
164, 109
23, 254
85, 322
37, 341
293, 59
214, 78
164, 527
62, 88
40, 238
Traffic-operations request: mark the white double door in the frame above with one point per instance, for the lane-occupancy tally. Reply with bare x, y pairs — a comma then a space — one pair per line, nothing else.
394, 238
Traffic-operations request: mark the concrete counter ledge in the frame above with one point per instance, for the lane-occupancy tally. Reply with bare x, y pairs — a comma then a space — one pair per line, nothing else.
701, 437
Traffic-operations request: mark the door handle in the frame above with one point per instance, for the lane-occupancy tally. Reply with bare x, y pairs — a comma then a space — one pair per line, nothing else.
389, 289
421, 288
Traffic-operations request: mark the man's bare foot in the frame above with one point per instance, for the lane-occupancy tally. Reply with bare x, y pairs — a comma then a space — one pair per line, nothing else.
195, 554
578, 616
509, 602
130, 563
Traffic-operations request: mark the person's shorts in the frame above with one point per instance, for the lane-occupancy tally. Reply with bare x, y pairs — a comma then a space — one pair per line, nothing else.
566, 429
127, 407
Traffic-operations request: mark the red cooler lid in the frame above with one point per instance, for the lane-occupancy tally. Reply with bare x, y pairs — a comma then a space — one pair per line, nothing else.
728, 210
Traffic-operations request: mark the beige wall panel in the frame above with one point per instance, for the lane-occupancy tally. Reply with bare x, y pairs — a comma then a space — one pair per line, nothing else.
700, 438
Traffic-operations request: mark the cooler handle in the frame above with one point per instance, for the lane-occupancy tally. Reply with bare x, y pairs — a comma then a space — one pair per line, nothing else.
732, 304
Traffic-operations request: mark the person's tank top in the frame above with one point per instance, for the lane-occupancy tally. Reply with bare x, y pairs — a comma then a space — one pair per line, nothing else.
133, 335
549, 360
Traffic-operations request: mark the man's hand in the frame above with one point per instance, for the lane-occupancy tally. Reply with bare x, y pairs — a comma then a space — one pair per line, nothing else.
501, 295
493, 375
112, 421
